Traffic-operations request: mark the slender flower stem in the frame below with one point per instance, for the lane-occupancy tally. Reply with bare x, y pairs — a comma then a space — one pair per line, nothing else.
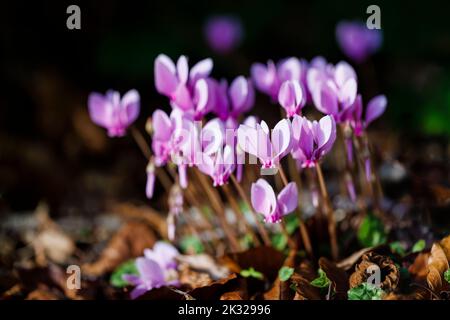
219, 208
283, 175
303, 231
291, 243
262, 231
329, 212
238, 211
140, 140
193, 202
146, 151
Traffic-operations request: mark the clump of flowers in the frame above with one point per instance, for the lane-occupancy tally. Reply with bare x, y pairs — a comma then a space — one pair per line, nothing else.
199, 144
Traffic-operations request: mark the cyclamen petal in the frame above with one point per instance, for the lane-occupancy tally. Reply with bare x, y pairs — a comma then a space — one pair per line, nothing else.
263, 198
375, 108
166, 80
288, 198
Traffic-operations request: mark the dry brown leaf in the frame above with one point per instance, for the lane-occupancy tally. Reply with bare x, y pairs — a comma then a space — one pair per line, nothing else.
42, 294
350, 261
437, 265
155, 220
233, 295
337, 276
192, 278
206, 264
304, 289
264, 259
216, 289
419, 268
129, 242
445, 244
390, 275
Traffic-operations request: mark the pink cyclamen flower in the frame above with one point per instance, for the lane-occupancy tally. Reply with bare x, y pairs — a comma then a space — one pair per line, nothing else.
151, 276
218, 166
333, 89
268, 147
168, 134
113, 113
291, 97
156, 269
269, 78
164, 254
273, 208
223, 33
312, 139
357, 41
354, 115
234, 100
188, 90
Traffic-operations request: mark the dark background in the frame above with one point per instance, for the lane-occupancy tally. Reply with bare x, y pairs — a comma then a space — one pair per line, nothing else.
49, 149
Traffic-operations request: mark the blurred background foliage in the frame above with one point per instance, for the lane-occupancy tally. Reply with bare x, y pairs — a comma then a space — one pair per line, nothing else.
41, 60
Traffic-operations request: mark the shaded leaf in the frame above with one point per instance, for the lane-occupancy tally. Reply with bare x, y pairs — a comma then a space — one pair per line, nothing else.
365, 291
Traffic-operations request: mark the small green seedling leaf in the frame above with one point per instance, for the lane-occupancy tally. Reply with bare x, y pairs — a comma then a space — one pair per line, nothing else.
251, 273
419, 246
371, 232
279, 241
285, 273
322, 280
191, 244
447, 275
398, 248
365, 291
128, 267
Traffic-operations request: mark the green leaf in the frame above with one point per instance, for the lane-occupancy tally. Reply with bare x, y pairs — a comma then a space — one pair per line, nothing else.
285, 273
191, 244
447, 275
279, 241
398, 248
251, 273
292, 223
322, 281
246, 241
419, 246
128, 267
365, 291
371, 232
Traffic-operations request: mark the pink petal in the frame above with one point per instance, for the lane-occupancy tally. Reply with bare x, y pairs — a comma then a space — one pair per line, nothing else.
263, 198
201, 95
239, 91
162, 126
288, 198
131, 103
182, 69
375, 108
100, 110
166, 80
201, 69
289, 69
344, 72
325, 99
348, 92
212, 136
247, 139
281, 138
